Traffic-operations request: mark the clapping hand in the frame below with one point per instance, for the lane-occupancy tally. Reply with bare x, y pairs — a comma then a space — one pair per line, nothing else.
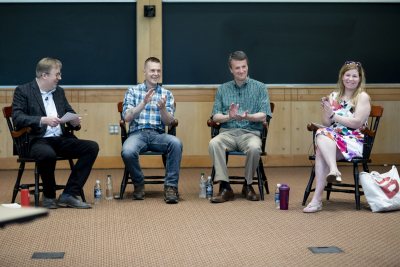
161, 103
148, 96
234, 112
326, 106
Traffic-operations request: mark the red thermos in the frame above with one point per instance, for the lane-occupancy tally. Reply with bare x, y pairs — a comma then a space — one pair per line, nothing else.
284, 196
25, 202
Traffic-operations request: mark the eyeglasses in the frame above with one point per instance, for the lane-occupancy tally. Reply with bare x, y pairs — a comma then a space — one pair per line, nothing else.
353, 63
58, 74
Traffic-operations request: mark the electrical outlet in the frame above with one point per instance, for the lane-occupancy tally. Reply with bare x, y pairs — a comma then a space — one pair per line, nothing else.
113, 129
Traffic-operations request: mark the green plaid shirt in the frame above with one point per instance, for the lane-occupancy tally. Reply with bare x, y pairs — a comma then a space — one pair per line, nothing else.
251, 96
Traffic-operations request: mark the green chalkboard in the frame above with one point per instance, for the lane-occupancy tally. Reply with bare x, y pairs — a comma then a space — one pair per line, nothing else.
95, 41
287, 43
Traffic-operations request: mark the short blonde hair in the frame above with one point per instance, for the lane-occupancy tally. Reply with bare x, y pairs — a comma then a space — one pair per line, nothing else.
45, 65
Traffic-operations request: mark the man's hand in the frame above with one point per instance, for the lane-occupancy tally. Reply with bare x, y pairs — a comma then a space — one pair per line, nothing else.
76, 122
148, 96
243, 116
51, 121
161, 103
233, 111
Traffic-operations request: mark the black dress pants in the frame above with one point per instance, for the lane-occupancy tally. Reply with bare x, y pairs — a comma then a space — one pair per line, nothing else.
46, 150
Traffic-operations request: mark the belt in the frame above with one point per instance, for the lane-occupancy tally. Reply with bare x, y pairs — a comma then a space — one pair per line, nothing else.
148, 130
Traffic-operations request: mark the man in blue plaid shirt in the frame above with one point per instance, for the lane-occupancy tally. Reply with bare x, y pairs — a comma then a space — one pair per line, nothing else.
149, 108
240, 107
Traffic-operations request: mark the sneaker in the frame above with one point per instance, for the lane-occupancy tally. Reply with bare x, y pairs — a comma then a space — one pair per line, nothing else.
49, 203
171, 195
138, 193
70, 201
313, 207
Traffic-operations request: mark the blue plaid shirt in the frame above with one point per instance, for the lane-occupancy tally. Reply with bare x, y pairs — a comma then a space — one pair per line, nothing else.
251, 96
149, 117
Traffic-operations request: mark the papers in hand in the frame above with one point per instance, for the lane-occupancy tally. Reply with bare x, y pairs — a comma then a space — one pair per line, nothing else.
69, 117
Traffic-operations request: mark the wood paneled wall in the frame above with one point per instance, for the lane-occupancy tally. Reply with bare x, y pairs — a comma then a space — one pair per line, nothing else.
288, 142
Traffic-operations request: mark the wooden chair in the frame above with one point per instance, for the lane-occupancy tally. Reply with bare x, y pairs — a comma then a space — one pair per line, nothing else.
150, 179
21, 149
355, 188
261, 177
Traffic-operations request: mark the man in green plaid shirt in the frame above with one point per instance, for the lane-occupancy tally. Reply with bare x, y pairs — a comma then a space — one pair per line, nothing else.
240, 107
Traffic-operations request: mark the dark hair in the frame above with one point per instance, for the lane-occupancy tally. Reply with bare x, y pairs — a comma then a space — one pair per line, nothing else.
237, 55
152, 59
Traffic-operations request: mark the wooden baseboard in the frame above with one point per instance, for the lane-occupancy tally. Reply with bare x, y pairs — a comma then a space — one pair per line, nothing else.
203, 161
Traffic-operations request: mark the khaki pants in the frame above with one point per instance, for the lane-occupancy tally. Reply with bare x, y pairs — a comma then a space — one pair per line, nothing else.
246, 141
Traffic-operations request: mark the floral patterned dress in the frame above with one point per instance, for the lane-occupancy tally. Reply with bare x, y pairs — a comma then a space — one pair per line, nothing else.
349, 141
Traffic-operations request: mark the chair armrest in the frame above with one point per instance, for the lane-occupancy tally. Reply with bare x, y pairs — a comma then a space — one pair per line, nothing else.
367, 131
213, 124
172, 127
19, 133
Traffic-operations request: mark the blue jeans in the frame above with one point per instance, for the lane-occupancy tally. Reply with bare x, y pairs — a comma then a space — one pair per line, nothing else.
150, 140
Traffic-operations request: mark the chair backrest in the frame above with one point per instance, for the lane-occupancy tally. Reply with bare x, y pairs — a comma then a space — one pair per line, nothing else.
370, 131
20, 137
124, 131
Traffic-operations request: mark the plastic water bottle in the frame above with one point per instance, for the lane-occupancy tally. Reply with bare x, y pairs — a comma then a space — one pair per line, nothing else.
209, 189
284, 196
203, 185
25, 201
277, 200
109, 188
97, 192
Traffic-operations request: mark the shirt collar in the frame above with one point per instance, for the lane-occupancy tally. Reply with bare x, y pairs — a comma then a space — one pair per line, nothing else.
244, 83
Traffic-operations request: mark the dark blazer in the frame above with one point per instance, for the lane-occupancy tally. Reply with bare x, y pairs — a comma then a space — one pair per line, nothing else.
28, 108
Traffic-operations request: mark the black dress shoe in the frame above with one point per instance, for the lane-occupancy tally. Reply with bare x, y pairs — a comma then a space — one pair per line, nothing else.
70, 201
223, 196
249, 193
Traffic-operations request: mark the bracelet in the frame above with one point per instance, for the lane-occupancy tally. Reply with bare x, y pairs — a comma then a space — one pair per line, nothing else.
333, 114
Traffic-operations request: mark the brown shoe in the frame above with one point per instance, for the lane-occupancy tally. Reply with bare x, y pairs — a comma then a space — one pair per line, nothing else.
249, 193
223, 196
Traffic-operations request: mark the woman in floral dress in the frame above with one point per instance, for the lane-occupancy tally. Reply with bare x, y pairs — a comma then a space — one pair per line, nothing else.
344, 113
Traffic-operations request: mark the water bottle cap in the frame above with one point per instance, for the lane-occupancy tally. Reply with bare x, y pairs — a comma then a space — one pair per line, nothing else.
24, 186
202, 173
98, 181
278, 185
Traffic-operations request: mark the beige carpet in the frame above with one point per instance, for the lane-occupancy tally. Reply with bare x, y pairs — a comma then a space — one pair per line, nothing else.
198, 233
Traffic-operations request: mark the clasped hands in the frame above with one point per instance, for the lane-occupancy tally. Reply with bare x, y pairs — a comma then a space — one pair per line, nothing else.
234, 113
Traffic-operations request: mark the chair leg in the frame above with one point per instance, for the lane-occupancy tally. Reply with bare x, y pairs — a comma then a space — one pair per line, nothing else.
212, 173
356, 186
309, 186
328, 190
264, 177
36, 185
260, 183
18, 181
123, 183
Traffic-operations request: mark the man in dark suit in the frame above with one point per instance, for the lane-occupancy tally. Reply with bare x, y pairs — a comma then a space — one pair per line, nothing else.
40, 104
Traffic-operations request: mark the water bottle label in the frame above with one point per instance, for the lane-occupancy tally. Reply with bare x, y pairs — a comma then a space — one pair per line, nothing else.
97, 193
